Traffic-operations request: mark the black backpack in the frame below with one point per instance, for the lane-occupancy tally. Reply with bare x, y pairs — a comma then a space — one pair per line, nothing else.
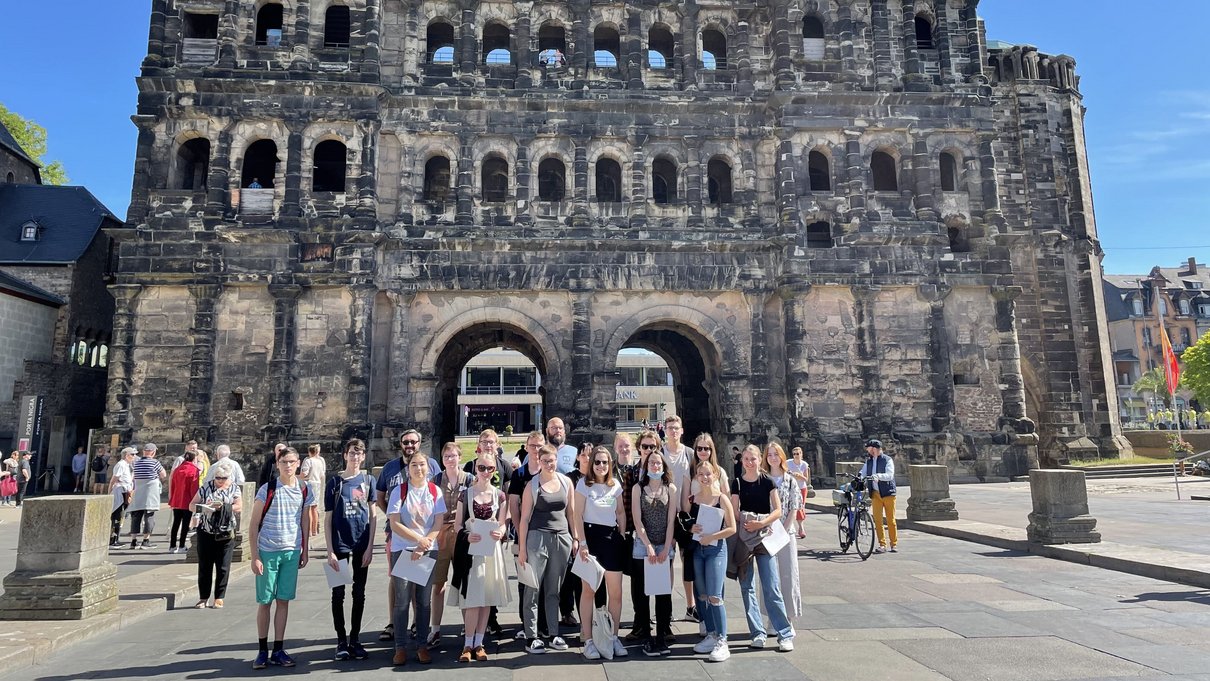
98, 464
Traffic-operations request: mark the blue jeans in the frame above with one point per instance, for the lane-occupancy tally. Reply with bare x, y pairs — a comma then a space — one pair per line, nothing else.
710, 569
404, 592
770, 586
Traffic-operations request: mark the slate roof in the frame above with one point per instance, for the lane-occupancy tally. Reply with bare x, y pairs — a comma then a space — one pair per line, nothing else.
10, 143
1116, 307
24, 289
69, 218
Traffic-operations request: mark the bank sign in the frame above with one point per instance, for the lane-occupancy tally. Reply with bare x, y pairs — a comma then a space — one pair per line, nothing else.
627, 396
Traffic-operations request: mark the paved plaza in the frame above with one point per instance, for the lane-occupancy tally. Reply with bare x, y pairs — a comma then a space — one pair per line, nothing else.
940, 609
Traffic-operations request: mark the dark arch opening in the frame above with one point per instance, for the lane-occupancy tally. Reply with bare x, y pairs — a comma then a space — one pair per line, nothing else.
663, 180
193, 164
453, 358
331, 162
812, 38
439, 43
260, 164
497, 44
882, 166
959, 242
718, 174
437, 179
552, 180
819, 172
493, 177
606, 47
819, 235
949, 172
337, 26
609, 181
714, 49
924, 33
268, 18
812, 27
659, 47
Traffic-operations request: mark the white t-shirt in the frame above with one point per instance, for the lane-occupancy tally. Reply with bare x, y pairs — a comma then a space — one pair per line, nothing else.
419, 512
795, 467
602, 502
313, 469
678, 466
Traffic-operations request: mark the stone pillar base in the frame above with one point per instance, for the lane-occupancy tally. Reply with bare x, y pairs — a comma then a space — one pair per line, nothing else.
943, 509
70, 595
1060, 513
930, 499
1047, 530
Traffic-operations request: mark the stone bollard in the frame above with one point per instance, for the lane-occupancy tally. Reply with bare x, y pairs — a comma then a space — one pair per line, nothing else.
247, 499
930, 494
63, 570
1060, 514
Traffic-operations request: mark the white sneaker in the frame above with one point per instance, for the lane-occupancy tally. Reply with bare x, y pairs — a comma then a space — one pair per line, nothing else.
590, 651
721, 652
785, 645
706, 645
536, 647
758, 642
619, 650
557, 643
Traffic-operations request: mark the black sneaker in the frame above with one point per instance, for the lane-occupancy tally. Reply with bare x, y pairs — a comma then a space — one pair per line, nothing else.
665, 651
358, 652
691, 614
651, 648
147, 545
342, 652
637, 635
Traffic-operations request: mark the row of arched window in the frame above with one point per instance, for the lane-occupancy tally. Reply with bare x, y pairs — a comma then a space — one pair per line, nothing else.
88, 351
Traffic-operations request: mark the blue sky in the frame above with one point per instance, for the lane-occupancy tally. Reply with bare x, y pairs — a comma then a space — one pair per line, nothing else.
1147, 98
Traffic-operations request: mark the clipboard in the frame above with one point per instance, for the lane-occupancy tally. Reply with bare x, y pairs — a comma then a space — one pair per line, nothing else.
415, 571
657, 578
588, 570
777, 538
487, 545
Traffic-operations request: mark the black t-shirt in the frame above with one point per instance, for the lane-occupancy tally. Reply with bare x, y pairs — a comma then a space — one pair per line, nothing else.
753, 496
518, 481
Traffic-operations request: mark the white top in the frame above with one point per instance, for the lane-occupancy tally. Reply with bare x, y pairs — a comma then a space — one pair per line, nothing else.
419, 512
601, 502
795, 467
123, 477
313, 469
678, 464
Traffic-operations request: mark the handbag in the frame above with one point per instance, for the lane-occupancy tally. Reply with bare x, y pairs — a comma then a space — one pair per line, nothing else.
8, 486
602, 632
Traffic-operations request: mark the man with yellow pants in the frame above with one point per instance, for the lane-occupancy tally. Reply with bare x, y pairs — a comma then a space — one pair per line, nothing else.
880, 470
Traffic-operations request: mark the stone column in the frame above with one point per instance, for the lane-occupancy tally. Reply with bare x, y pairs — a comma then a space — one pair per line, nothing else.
1008, 354
466, 52
688, 45
762, 390
301, 40
360, 339
794, 320
465, 203
694, 181
1060, 514
974, 59
944, 45
201, 363
524, 194
939, 356
884, 72
914, 77
227, 34
634, 50
63, 570
155, 34
413, 59
930, 498
855, 171
281, 400
580, 175
217, 181
523, 46
787, 185
371, 56
367, 179
581, 358
638, 184
121, 356
143, 171
581, 11
922, 172
743, 61
292, 201
847, 32
783, 65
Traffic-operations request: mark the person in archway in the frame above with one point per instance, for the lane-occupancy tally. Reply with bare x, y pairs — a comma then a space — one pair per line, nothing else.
677, 457
255, 184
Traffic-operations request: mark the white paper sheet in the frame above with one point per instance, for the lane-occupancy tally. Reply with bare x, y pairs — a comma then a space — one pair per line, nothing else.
487, 545
777, 539
711, 520
525, 575
588, 570
414, 571
343, 574
657, 578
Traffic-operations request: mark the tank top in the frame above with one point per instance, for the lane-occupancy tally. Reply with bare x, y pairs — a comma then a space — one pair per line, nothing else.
654, 512
549, 512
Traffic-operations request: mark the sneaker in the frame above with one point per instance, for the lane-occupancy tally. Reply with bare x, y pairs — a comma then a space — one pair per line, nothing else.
536, 647
281, 658
147, 545
358, 651
400, 658
619, 650
262, 660
134, 545
894, 549
691, 614
785, 645
557, 643
342, 652
569, 620
651, 648
388, 633
171, 549
665, 651
758, 642
637, 636
590, 651
116, 544
423, 656
721, 652
880, 549
706, 645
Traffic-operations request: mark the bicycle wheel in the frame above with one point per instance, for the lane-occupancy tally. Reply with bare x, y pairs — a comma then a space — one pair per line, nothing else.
842, 528
865, 535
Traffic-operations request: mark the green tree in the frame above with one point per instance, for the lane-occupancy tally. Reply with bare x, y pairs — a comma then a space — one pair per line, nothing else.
32, 138
1196, 371
1152, 382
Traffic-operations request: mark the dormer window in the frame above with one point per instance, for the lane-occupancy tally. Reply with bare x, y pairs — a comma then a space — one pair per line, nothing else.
29, 231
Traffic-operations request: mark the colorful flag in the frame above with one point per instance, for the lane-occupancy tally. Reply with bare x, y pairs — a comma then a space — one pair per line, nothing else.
1172, 370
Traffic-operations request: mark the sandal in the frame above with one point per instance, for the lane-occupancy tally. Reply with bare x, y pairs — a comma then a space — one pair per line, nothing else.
388, 633
218, 603
200, 605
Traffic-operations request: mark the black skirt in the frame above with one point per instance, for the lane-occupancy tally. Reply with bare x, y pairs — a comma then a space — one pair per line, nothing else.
607, 545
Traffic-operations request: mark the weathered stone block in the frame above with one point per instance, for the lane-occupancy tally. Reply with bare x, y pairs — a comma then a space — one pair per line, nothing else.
930, 494
1060, 515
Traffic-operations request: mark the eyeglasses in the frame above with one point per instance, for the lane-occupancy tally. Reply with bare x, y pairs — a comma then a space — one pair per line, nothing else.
486, 469
548, 462
287, 462
704, 449
600, 463
648, 446
409, 443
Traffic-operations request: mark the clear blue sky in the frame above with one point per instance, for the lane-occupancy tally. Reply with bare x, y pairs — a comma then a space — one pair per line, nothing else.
72, 70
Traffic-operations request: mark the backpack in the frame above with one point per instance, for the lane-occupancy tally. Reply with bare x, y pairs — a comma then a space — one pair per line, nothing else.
98, 464
272, 488
403, 491
220, 523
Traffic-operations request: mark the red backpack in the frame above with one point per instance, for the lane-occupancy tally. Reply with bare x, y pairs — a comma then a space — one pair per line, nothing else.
272, 488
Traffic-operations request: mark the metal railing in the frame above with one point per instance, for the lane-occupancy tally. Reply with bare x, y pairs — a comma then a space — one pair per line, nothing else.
1181, 462
500, 390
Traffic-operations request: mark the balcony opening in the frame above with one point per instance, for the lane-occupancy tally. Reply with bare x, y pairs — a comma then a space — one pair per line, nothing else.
260, 165
819, 172
493, 175
437, 179
193, 164
714, 49
552, 180
200, 26
886, 176
609, 181
718, 174
269, 25
331, 161
663, 180
606, 47
497, 43
924, 33
819, 235
337, 26
659, 47
949, 172
439, 43
812, 39
552, 45
959, 242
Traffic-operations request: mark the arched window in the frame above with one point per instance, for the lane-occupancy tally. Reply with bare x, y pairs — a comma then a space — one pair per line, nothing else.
718, 176
193, 164
269, 24
609, 181
439, 43
437, 179
497, 44
886, 176
819, 172
714, 49
103, 356
81, 352
606, 47
958, 241
659, 47
552, 42
260, 164
924, 33
552, 180
663, 180
494, 177
337, 26
819, 235
812, 38
949, 172
330, 163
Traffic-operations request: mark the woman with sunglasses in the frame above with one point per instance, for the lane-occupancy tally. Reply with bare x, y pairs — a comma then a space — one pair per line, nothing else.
703, 452
791, 502
653, 504
349, 530
544, 542
480, 582
215, 533
569, 594
452, 481
710, 559
600, 521
755, 496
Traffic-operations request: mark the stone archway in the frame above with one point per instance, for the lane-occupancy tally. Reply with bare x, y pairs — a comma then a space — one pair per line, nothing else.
695, 374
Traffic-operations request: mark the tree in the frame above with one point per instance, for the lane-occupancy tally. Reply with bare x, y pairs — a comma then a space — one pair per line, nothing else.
32, 138
1152, 382
1196, 371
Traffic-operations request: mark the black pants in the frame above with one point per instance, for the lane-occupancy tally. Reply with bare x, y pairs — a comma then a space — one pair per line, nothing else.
360, 575
21, 490
115, 523
213, 564
642, 602
569, 594
180, 525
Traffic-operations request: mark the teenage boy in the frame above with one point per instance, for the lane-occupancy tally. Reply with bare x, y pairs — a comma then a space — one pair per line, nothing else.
676, 458
277, 535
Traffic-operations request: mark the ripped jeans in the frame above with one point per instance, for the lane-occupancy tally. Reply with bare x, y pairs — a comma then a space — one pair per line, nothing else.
710, 569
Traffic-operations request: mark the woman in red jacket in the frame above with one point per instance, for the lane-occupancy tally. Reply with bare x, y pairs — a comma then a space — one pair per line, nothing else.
180, 493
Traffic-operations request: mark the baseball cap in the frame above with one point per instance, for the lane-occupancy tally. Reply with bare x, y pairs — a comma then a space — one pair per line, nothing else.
150, 446
874, 443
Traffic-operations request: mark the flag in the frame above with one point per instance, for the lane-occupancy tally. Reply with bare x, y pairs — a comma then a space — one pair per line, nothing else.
1172, 370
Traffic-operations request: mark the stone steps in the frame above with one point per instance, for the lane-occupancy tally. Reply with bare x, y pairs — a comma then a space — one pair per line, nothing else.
1149, 470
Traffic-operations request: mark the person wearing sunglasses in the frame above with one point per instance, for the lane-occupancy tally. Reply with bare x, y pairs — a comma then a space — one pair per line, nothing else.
215, 532
452, 481
480, 582
600, 521
349, 530
755, 498
646, 443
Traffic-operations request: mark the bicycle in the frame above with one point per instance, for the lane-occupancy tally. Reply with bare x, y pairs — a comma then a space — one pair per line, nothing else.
854, 525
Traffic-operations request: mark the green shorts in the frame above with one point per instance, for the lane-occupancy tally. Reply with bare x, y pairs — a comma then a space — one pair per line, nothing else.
280, 578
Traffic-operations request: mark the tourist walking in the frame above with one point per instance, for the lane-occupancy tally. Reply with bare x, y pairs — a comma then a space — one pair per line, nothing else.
480, 582
755, 496
544, 543
600, 521
800, 470
278, 539
79, 466
313, 471
452, 481
710, 560
121, 486
100, 470
791, 503
415, 510
349, 531
149, 477
181, 493
880, 470
217, 505
653, 509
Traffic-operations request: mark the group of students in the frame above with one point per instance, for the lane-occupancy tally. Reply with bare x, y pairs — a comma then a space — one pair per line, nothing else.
590, 512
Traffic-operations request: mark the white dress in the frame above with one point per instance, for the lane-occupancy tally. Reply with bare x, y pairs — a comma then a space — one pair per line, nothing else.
487, 582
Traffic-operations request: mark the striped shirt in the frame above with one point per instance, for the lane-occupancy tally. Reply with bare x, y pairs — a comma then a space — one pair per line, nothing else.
147, 468
282, 529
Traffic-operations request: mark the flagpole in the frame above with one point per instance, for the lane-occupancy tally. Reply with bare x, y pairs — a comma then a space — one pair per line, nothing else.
1165, 347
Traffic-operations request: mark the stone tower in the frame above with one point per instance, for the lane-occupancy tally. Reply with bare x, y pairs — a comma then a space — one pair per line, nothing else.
833, 220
